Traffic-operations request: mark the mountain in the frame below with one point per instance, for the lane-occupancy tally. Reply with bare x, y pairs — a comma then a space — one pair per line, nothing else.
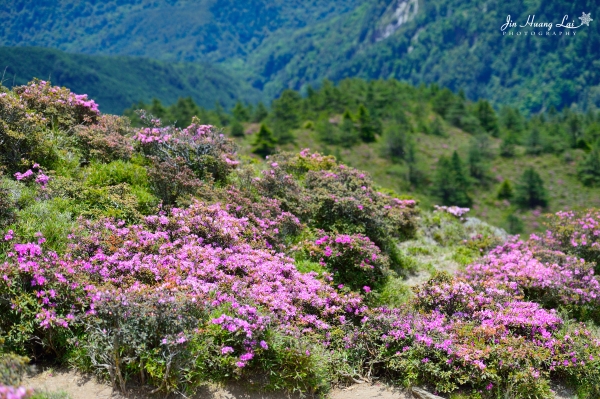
277, 45
116, 82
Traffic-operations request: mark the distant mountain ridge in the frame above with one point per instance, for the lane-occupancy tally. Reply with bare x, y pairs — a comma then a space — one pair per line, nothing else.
273, 45
116, 82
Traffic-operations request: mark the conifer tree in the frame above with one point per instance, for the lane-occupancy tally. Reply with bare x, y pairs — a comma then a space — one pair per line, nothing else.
530, 191
237, 129
451, 184
487, 118
240, 113
534, 144
349, 135
366, 126
264, 144
260, 113
506, 191
589, 170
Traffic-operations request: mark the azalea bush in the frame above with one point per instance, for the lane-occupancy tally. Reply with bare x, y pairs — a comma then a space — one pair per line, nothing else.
475, 335
353, 260
263, 271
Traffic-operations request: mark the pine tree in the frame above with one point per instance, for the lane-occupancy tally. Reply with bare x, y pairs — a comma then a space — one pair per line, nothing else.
589, 170
285, 115
367, 129
183, 111
264, 144
349, 135
158, 110
530, 191
534, 144
450, 184
260, 113
237, 129
487, 118
240, 113
478, 158
506, 191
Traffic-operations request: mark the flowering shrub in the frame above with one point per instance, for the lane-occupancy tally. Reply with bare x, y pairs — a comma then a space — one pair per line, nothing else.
21, 133
576, 233
482, 337
12, 369
353, 260
8, 392
205, 151
57, 105
201, 254
452, 210
549, 277
108, 139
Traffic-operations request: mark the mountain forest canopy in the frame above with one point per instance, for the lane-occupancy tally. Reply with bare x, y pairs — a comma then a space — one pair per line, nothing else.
276, 45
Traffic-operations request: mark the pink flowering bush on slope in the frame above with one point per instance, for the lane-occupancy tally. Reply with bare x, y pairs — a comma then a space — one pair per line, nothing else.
461, 333
204, 287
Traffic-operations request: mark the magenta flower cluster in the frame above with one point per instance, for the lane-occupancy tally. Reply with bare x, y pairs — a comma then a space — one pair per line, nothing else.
8, 392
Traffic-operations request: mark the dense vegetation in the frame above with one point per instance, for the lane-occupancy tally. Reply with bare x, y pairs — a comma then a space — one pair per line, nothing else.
117, 82
429, 142
272, 46
157, 255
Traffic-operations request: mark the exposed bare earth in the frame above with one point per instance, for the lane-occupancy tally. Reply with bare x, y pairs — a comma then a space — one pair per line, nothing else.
78, 386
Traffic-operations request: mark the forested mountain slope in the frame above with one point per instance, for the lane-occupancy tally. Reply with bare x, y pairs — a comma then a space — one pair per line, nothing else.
274, 45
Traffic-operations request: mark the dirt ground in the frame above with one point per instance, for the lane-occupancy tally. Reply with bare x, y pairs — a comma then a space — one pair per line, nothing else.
78, 386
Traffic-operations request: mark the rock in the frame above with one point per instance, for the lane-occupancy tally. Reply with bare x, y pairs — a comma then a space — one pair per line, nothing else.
423, 394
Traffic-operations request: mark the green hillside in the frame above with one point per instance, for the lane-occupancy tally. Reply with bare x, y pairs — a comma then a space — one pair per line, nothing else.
277, 45
118, 81
405, 137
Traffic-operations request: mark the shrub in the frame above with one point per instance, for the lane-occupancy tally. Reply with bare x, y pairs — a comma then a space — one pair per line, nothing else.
200, 148
107, 140
21, 133
353, 260
478, 337
544, 276
59, 107
12, 369
575, 233
117, 172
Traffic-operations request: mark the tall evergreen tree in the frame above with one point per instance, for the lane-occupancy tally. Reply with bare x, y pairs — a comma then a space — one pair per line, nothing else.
589, 169
534, 145
264, 144
451, 184
349, 135
240, 113
487, 118
285, 115
530, 191
366, 126
260, 113
478, 158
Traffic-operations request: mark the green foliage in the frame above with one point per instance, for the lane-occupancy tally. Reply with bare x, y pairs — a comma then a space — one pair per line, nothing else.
589, 170
285, 115
530, 191
264, 143
505, 192
479, 156
368, 130
12, 368
487, 118
117, 82
451, 184
237, 129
